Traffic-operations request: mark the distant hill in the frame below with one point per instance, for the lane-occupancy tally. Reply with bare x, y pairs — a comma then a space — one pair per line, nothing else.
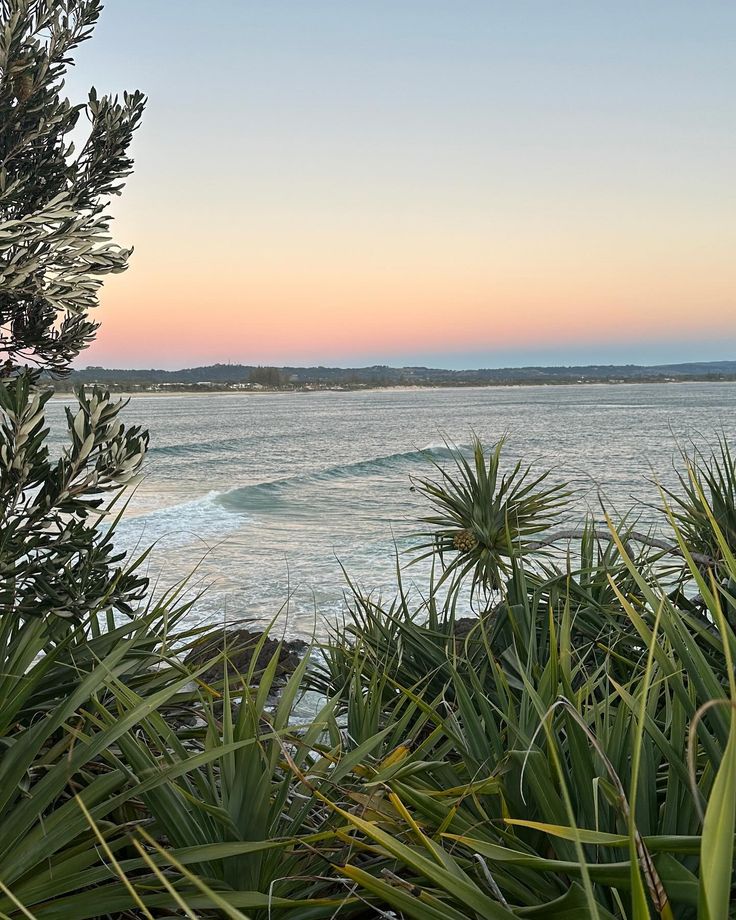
244, 376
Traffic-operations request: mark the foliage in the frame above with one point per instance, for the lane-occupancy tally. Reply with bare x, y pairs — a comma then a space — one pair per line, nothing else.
55, 559
266, 376
554, 781
706, 499
55, 244
484, 519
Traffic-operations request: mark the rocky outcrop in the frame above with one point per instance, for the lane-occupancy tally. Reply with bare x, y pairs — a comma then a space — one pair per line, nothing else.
238, 647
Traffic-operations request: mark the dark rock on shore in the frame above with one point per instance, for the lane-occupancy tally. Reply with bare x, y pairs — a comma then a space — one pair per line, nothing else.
238, 646
473, 630
464, 626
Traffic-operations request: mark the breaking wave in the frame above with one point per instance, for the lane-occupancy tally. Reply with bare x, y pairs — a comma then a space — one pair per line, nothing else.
262, 496
218, 513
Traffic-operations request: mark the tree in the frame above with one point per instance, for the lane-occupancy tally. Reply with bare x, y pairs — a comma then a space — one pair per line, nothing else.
56, 562
266, 376
53, 557
55, 242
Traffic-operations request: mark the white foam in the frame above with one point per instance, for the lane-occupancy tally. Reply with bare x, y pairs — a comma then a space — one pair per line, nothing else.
178, 525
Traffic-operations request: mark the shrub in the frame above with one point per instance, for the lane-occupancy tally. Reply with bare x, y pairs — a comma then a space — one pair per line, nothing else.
55, 246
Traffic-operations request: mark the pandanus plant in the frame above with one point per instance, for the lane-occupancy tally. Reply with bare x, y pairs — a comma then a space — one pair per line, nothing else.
706, 497
485, 518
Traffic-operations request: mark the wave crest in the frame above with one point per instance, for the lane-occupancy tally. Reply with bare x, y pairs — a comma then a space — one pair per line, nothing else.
263, 496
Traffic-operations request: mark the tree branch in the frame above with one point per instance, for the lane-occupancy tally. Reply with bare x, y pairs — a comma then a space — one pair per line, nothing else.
632, 536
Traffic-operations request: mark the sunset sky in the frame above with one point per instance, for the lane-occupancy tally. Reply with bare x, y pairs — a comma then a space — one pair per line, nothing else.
451, 183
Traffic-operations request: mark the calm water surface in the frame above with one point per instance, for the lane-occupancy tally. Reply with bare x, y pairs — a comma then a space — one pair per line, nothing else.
271, 493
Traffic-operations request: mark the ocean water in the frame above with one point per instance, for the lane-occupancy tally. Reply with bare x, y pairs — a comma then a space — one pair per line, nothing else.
265, 498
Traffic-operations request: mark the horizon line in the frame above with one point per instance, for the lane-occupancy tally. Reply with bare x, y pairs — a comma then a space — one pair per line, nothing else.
453, 370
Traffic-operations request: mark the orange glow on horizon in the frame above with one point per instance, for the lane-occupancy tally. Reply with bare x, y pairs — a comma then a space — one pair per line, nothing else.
291, 320
261, 291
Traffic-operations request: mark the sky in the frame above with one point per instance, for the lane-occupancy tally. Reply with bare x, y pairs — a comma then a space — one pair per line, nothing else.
459, 183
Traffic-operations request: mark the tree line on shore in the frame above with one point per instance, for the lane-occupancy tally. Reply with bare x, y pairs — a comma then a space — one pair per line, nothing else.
239, 376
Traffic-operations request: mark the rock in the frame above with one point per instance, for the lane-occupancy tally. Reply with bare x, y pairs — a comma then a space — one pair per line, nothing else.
464, 626
470, 630
241, 646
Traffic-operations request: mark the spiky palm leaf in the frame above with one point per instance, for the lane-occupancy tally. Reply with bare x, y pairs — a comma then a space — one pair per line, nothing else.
707, 484
485, 518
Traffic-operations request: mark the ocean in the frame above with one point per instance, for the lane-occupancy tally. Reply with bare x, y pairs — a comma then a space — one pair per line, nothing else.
268, 499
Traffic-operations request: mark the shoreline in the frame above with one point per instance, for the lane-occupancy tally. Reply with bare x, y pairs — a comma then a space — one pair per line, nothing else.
396, 388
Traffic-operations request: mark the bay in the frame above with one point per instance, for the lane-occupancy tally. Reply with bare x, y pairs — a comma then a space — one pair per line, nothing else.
264, 497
